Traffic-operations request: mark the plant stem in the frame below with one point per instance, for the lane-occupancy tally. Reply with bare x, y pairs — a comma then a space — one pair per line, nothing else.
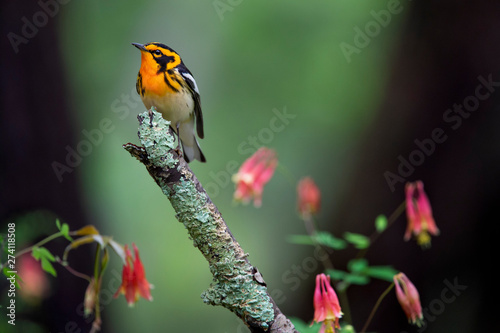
344, 300
370, 317
327, 264
390, 221
40, 243
72, 271
96, 262
97, 278
311, 231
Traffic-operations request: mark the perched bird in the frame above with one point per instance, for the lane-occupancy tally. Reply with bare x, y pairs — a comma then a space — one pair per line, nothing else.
165, 83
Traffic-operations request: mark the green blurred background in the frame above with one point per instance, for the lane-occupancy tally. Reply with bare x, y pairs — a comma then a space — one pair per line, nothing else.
248, 60
253, 61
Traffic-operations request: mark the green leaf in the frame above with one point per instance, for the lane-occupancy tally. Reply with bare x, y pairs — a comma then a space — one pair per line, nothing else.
357, 275
327, 239
47, 266
360, 273
336, 274
385, 273
35, 253
300, 239
45, 257
65, 232
104, 260
41, 252
359, 241
381, 223
321, 238
356, 279
347, 329
348, 278
58, 224
357, 265
304, 327
46, 254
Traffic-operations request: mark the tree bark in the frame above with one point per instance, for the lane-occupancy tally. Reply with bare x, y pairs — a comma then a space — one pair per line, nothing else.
237, 285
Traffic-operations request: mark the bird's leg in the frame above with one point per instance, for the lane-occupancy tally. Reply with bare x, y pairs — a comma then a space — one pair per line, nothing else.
178, 149
151, 116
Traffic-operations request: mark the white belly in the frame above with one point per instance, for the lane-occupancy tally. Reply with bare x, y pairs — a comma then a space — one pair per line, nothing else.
175, 107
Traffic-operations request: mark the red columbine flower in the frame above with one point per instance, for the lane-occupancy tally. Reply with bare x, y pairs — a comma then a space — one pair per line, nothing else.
309, 197
253, 174
419, 213
409, 299
326, 305
134, 283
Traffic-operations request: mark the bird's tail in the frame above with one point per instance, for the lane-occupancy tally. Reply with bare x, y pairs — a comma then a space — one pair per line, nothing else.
190, 145
193, 152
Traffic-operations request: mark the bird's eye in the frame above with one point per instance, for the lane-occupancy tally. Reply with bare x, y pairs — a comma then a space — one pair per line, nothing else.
157, 52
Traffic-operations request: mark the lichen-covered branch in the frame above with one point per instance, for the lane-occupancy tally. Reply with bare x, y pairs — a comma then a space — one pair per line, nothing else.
237, 285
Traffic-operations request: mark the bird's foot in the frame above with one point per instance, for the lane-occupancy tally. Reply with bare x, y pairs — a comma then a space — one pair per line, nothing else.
178, 149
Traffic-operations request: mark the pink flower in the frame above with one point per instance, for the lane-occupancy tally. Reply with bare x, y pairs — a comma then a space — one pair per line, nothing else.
253, 174
419, 214
134, 283
34, 284
309, 197
409, 299
326, 305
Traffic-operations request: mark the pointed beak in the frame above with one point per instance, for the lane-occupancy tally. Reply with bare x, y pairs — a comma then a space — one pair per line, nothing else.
140, 47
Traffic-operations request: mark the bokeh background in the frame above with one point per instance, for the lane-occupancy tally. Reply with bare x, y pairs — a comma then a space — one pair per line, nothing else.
341, 90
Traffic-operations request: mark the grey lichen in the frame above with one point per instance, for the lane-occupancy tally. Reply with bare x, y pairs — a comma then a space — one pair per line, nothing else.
235, 286
156, 139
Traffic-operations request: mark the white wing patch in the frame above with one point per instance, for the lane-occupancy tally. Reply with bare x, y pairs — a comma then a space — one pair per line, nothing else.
189, 77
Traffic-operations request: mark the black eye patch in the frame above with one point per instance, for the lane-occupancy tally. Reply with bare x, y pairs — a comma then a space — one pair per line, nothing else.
162, 59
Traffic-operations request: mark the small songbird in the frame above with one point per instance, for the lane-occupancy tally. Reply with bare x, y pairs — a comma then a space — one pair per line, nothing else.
165, 83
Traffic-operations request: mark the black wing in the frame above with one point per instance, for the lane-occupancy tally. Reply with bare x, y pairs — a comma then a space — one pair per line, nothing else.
193, 88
